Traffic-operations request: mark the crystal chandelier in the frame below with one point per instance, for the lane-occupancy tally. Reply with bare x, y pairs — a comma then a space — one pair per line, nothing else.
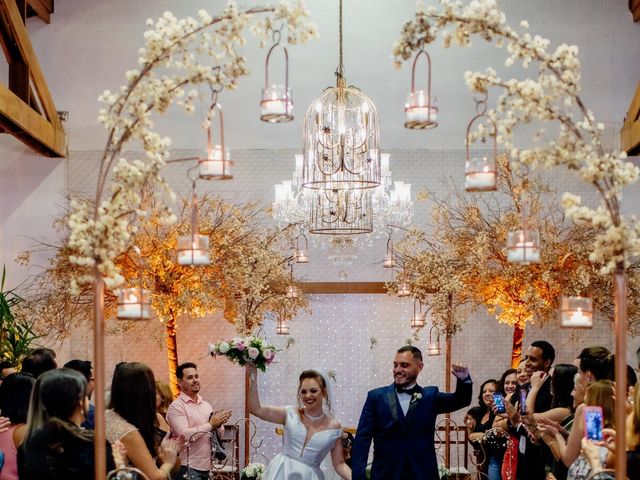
341, 137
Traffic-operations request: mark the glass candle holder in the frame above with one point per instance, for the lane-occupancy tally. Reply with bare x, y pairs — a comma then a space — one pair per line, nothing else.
389, 261
523, 247
404, 289
134, 303
434, 349
418, 320
292, 291
301, 256
282, 328
418, 113
576, 312
193, 250
212, 165
480, 174
276, 105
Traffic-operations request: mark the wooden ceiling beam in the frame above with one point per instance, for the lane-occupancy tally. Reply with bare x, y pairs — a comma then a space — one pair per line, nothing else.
630, 133
27, 110
42, 8
634, 6
334, 288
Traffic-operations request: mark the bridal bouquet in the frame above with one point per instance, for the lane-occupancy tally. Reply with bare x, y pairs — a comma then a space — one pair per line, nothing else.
252, 471
245, 350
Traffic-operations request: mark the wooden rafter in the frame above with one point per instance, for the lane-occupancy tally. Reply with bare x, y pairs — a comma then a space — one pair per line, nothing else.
634, 6
27, 110
41, 8
630, 133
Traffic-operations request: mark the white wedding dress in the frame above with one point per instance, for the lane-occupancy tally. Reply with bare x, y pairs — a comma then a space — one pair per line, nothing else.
297, 460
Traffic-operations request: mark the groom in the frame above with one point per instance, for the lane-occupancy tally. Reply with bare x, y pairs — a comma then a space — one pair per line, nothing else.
400, 419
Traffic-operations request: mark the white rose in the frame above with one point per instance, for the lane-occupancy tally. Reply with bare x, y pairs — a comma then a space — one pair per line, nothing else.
223, 348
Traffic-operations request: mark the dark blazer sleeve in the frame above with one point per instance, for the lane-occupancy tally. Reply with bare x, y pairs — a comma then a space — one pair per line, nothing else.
362, 442
450, 402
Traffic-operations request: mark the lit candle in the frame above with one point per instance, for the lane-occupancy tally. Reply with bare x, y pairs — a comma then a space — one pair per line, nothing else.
193, 257
132, 308
275, 107
421, 114
480, 181
433, 349
524, 252
388, 261
577, 318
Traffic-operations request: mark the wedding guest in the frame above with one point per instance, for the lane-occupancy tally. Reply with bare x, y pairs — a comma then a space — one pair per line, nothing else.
522, 375
15, 391
39, 361
164, 397
85, 368
55, 447
508, 384
131, 419
6, 369
192, 418
479, 420
310, 431
400, 420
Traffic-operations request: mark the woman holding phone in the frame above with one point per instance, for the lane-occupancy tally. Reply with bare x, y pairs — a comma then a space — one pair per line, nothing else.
479, 420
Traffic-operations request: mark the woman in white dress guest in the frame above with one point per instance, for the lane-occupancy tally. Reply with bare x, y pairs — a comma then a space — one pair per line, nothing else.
310, 432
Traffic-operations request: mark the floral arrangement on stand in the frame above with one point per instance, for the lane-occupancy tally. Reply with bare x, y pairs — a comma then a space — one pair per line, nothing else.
252, 471
242, 351
552, 97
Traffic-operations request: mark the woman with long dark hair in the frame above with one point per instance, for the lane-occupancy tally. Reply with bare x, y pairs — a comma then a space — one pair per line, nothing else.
131, 418
479, 420
15, 391
55, 446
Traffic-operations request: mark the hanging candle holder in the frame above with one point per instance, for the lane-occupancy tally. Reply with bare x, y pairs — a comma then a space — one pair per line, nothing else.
523, 246
282, 327
576, 312
134, 303
419, 317
481, 172
404, 289
420, 110
389, 258
276, 105
292, 290
433, 348
216, 163
301, 255
193, 249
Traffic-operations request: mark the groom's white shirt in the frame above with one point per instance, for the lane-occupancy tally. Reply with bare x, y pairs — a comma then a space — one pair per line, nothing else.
405, 400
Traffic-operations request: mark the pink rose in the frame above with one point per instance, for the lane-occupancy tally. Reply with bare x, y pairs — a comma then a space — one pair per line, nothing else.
268, 355
240, 346
253, 353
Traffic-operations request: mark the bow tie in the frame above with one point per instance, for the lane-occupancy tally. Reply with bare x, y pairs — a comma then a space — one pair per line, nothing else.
409, 391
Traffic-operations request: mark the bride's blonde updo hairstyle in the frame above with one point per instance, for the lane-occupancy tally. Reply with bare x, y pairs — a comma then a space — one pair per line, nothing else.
318, 377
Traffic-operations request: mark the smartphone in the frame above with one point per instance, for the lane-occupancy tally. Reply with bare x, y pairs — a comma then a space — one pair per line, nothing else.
523, 402
498, 401
593, 420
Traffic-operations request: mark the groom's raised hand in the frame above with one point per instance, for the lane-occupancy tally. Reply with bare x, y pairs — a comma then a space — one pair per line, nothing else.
461, 372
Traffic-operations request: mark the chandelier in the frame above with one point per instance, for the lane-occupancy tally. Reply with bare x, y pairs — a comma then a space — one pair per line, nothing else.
390, 203
341, 139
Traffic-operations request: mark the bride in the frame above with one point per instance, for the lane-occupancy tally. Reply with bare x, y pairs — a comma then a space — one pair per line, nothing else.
310, 433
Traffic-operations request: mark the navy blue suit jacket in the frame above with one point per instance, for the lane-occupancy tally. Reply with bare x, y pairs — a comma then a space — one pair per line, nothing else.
401, 442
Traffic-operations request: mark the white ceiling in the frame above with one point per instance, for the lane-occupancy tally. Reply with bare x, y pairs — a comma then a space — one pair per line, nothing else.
91, 43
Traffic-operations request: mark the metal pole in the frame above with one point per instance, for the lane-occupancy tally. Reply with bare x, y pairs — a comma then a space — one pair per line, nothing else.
100, 467
620, 297
447, 387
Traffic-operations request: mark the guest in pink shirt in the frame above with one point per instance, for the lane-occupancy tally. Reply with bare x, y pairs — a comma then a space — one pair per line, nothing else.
193, 418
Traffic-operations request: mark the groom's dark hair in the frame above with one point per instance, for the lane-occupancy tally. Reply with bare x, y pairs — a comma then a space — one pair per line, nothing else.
417, 354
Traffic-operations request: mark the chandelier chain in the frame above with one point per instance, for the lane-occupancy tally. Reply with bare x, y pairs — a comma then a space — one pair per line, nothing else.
340, 71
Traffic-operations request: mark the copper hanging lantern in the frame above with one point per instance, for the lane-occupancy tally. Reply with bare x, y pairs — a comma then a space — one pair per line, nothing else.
216, 164
481, 172
276, 105
419, 317
420, 110
576, 312
433, 347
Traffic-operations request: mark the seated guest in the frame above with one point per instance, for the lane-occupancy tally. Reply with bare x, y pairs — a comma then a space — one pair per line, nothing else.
85, 368
131, 418
55, 447
164, 397
39, 361
6, 369
15, 391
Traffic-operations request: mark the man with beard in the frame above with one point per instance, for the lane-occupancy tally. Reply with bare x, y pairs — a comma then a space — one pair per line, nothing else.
400, 420
190, 415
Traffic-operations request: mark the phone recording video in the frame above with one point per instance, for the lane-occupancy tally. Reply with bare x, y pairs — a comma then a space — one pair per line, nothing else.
523, 402
593, 420
498, 401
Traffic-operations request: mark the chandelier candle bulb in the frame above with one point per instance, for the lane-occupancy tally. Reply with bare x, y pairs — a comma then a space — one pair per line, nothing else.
576, 312
134, 303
